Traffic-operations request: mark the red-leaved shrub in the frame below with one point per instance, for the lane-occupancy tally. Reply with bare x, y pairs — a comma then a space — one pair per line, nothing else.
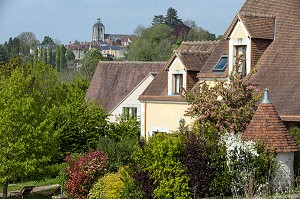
82, 172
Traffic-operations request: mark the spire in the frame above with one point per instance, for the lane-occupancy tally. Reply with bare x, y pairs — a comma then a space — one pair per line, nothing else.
266, 99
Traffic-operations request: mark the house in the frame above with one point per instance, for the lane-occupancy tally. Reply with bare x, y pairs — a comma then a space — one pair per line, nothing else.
117, 85
267, 127
162, 104
263, 37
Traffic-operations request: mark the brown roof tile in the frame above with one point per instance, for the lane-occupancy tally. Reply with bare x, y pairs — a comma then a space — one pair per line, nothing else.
113, 81
266, 126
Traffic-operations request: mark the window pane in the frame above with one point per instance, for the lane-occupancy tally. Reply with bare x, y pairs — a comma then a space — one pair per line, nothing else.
222, 64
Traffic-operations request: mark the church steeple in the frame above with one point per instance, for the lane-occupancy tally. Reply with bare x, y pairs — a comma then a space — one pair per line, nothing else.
98, 31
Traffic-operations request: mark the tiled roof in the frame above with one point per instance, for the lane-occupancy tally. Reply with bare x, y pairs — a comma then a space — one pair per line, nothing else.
193, 55
113, 81
207, 69
259, 26
267, 127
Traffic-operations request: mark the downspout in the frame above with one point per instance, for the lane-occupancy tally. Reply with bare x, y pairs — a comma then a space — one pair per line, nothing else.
145, 124
274, 28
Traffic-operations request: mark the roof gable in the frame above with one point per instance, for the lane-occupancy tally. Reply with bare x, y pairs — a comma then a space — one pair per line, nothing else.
113, 81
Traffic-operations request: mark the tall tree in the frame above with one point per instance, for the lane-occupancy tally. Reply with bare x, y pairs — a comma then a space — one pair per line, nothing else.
70, 55
50, 56
45, 53
90, 61
35, 56
27, 139
57, 58
47, 41
171, 18
157, 20
63, 60
3, 54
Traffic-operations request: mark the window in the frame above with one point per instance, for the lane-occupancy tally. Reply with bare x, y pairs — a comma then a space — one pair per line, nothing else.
130, 112
177, 84
240, 60
221, 65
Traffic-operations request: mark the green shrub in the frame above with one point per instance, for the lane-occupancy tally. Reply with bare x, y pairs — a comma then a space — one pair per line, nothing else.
109, 186
160, 157
295, 132
118, 152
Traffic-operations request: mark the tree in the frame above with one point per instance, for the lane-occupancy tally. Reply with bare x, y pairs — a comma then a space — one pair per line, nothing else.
47, 41
90, 62
57, 58
70, 55
28, 38
157, 20
199, 34
139, 29
50, 56
27, 139
171, 18
44, 57
63, 60
35, 56
3, 54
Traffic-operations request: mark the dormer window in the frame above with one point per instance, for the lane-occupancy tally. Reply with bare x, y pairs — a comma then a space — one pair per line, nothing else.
240, 60
178, 83
222, 64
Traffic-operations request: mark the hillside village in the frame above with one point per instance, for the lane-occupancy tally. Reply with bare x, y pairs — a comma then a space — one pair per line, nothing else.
219, 118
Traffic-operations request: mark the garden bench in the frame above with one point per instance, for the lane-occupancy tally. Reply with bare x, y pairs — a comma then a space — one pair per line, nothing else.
23, 192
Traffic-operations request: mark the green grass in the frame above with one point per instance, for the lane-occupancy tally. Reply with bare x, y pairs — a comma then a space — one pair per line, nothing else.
18, 186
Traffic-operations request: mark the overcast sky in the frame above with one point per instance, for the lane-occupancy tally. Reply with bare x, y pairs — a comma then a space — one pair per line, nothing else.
68, 20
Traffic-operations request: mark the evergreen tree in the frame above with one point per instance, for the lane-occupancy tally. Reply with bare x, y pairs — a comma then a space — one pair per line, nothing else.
63, 60
57, 58
157, 20
172, 19
50, 57
45, 55
35, 56
3, 54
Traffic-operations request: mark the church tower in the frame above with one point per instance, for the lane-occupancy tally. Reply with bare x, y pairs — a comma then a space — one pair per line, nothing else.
98, 31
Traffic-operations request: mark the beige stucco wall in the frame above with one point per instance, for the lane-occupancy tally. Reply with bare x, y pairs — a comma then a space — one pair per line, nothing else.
176, 67
163, 116
240, 32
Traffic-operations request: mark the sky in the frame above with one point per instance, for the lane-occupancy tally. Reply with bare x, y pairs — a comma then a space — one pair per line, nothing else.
70, 20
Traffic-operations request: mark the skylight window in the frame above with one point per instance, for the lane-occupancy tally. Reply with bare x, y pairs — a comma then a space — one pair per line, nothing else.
221, 66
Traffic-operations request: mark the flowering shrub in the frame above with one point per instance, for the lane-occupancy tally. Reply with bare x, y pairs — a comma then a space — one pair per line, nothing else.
82, 172
249, 164
225, 106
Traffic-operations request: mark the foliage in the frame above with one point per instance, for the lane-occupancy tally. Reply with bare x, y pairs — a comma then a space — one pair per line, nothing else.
82, 173
109, 186
131, 187
27, 138
78, 123
63, 60
3, 54
295, 132
90, 62
199, 34
118, 152
227, 106
159, 157
57, 58
70, 55
124, 127
47, 41
28, 38
171, 19
195, 160
250, 170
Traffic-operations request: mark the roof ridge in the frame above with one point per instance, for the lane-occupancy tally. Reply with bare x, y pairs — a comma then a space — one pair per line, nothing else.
200, 42
248, 14
192, 51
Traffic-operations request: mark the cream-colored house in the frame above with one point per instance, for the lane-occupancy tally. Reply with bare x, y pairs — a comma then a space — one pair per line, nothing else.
163, 107
117, 85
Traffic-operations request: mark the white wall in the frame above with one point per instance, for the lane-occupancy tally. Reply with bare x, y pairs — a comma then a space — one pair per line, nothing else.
131, 100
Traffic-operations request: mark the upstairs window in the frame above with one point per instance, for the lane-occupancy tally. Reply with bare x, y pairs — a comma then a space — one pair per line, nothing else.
240, 60
178, 83
222, 64
130, 112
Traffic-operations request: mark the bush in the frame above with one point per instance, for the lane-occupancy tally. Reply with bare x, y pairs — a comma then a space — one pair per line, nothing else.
108, 186
295, 132
195, 160
118, 152
82, 172
160, 157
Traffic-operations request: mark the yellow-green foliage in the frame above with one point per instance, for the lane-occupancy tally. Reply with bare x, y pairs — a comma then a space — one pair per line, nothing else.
108, 186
